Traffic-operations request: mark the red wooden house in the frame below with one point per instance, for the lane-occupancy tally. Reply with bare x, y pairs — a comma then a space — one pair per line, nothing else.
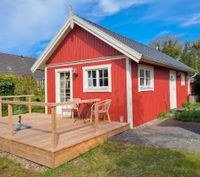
85, 60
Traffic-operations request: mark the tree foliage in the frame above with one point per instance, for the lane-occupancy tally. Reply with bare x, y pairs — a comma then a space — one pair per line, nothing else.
7, 86
169, 45
187, 52
191, 54
17, 85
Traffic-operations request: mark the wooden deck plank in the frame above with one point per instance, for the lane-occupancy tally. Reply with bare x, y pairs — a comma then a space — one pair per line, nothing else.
35, 144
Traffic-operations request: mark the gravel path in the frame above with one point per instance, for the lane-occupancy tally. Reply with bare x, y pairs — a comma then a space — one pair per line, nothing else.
168, 133
25, 163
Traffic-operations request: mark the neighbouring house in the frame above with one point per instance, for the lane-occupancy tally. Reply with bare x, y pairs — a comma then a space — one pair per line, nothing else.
20, 66
85, 60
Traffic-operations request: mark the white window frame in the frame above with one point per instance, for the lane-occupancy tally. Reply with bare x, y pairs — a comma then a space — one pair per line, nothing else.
97, 89
145, 88
57, 82
182, 79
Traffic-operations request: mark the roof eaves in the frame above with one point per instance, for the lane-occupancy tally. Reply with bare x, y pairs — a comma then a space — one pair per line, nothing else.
165, 64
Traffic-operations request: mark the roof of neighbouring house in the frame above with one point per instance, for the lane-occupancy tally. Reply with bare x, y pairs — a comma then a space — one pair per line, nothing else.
18, 65
132, 49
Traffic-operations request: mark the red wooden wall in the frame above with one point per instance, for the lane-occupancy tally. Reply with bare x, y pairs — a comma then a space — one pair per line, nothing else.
147, 105
182, 91
80, 45
118, 94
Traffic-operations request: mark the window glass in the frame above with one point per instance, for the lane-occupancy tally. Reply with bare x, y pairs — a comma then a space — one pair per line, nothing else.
141, 73
146, 78
141, 81
98, 78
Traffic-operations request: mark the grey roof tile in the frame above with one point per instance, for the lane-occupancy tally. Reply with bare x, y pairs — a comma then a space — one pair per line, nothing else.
18, 65
147, 52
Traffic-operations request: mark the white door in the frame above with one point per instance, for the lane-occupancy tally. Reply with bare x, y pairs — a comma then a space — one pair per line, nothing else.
63, 87
173, 98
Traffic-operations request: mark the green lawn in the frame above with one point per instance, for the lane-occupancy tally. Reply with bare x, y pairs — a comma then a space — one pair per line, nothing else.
118, 159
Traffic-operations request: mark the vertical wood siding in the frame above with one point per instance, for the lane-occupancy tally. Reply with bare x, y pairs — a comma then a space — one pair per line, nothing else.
147, 105
79, 45
118, 94
182, 91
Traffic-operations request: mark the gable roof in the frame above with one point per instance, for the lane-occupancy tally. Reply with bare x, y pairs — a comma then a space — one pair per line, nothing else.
18, 65
132, 49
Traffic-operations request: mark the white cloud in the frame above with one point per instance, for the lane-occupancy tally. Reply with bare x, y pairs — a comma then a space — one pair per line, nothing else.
25, 24
163, 33
108, 7
193, 20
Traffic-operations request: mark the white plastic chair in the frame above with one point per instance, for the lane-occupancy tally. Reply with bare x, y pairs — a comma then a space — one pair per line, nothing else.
71, 108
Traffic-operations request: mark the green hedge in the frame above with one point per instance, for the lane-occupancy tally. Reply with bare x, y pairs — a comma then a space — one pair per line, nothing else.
19, 85
188, 116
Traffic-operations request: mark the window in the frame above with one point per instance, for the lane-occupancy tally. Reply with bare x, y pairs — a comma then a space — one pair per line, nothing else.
145, 78
182, 79
97, 78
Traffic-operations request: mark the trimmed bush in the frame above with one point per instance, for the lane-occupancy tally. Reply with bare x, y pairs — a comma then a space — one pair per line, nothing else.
188, 116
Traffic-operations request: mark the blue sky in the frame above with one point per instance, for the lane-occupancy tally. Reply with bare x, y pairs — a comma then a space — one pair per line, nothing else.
27, 26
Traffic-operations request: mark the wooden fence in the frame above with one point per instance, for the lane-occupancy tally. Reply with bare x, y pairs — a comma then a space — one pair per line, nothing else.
3, 98
48, 105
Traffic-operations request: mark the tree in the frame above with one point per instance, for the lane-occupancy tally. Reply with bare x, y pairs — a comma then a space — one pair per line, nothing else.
169, 45
191, 54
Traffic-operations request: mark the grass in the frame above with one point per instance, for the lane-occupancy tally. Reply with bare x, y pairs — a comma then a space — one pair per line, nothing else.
119, 160
9, 168
163, 115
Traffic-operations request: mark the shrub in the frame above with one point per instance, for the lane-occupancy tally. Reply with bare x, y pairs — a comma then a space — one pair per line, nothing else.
191, 106
7, 86
173, 111
163, 115
188, 116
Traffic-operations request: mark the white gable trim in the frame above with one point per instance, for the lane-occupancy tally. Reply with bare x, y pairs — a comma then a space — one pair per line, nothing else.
51, 47
39, 64
129, 52
86, 61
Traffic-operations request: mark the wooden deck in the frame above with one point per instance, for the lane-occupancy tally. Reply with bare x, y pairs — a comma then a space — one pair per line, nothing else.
73, 139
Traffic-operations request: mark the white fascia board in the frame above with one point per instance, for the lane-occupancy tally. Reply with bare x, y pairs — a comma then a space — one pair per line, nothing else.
129, 52
51, 47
